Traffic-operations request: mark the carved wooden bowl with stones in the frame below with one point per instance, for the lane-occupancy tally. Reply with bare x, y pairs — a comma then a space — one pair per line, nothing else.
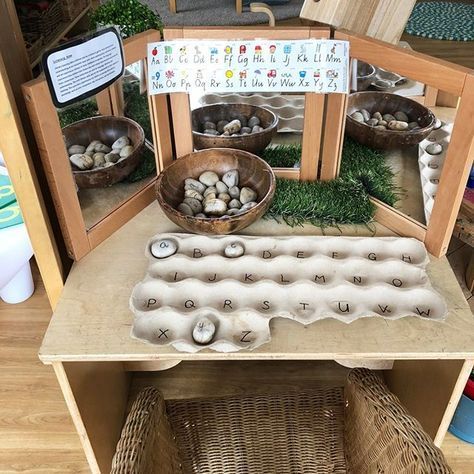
381, 136
106, 129
252, 141
254, 173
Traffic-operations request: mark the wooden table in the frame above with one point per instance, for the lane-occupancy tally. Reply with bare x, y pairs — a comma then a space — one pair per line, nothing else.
89, 345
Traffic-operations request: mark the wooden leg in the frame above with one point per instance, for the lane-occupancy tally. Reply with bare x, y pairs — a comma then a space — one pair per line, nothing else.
238, 6
431, 96
96, 395
172, 4
430, 390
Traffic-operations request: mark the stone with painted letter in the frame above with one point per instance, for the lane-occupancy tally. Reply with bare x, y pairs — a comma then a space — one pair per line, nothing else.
204, 331
234, 250
163, 248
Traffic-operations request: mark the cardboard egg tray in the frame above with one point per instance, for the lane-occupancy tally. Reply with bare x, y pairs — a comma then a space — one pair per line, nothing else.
432, 165
301, 278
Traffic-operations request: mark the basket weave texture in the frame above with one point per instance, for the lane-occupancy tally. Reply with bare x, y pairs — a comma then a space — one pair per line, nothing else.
362, 429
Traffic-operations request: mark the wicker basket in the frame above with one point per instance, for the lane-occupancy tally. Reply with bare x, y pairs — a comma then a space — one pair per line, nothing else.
364, 430
72, 8
42, 23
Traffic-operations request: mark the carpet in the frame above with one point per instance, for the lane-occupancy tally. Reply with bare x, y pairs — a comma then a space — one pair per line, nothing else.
218, 12
442, 20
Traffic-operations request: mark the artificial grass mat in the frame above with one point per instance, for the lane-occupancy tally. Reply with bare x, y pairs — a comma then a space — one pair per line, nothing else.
345, 200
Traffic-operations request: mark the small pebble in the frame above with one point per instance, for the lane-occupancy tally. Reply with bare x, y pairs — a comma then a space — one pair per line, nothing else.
380, 127
99, 160
194, 204
247, 195
397, 125
83, 162
235, 135
231, 178
382, 122
377, 115
221, 187
357, 116
185, 209
191, 193
224, 197
254, 120
438, 124
209, 126
92, 145
111, 157
209, 197
215, 207
234, 250
204, 331
412, 125
163, 248
121, 142
201, 215
434, 149
100, 147
210, 190
209, 178
401, 116
191, 183
233, 212
234, 204
76, 150
388, 117
257, 129
245, 130
365, 114
225, 134
211, 131
233, 127
221, 124
372, 122
234, 192
247, 206
126, 151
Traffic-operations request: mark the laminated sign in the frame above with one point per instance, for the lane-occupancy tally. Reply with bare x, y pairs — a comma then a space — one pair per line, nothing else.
83, 67
243, 66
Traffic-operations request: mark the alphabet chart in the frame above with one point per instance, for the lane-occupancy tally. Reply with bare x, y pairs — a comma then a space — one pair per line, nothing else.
241, 66
196, 297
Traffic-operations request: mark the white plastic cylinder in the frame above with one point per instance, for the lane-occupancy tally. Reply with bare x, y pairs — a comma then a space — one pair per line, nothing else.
20, 287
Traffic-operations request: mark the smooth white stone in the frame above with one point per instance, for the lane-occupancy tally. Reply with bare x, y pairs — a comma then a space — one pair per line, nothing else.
247, 195
163, 248
231, 178
204, 331
209, 178
234, 250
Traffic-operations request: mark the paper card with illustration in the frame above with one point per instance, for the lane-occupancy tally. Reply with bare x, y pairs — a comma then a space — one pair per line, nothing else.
238, 66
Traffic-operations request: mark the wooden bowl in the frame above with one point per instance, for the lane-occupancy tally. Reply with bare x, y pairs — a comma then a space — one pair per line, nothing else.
386, 103
254, 142
106, 129
253, 171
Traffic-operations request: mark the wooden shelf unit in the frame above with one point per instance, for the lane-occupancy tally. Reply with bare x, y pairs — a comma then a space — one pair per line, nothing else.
89, 345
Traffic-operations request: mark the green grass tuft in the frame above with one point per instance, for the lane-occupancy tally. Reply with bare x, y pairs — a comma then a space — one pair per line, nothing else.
282, 156
367, 166
82, 110
136, 107
321, 203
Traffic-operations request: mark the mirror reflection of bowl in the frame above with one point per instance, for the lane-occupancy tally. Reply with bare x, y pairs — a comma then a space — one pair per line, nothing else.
365, 75
386, 103
253, 142
105, 129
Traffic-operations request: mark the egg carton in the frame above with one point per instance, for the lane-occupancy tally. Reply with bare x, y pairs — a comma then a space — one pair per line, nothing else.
432, 165
288, 108
301, 278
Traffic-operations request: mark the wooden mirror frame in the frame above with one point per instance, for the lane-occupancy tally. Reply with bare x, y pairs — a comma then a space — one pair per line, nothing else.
438, 76
45, 122
315, 163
